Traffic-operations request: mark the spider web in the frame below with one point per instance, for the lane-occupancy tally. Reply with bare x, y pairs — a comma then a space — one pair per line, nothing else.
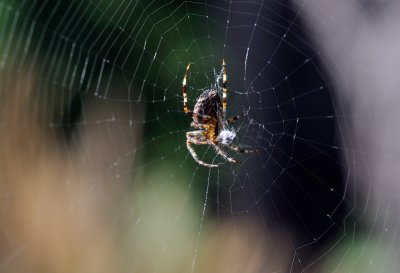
115, 68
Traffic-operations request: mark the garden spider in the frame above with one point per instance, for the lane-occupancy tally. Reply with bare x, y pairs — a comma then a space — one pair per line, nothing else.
209, 118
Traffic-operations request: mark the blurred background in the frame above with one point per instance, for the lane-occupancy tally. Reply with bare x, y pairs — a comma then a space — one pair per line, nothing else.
94, 171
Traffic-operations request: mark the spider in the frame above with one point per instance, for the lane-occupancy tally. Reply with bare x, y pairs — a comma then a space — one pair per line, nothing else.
209, 118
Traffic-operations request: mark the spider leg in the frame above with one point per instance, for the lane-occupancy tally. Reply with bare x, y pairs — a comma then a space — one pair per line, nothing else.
240, 149
235, 118
197, 138
184, 91
195, 156
224, 155
225, 87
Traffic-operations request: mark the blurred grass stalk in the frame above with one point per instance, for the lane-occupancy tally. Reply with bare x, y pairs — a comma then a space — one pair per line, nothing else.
360, 44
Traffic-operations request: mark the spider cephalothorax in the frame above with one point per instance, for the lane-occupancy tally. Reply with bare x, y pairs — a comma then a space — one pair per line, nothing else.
209, 118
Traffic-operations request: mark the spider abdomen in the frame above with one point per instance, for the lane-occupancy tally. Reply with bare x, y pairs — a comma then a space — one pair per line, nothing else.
209, 105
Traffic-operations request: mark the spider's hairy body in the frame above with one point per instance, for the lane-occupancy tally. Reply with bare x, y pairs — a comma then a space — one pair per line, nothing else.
207, 111
209, 119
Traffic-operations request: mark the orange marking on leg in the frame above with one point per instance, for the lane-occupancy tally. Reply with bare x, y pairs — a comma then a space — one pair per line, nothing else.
184, 91
224, 86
